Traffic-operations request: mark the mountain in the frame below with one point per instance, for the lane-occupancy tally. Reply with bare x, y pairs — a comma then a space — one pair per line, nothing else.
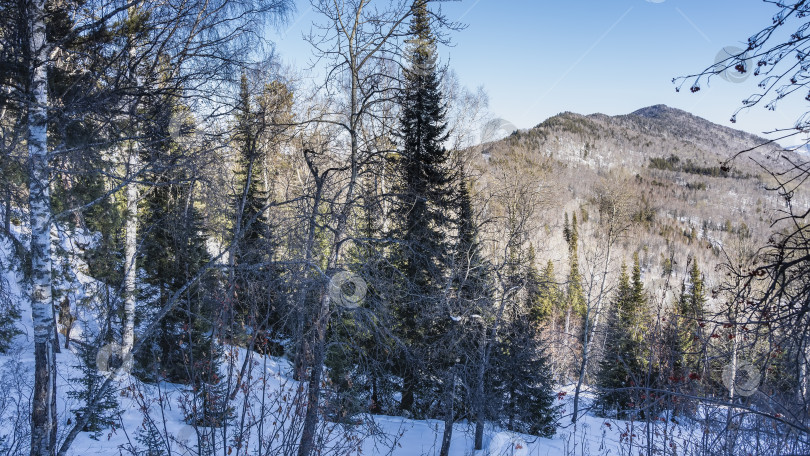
691, 196
655, 131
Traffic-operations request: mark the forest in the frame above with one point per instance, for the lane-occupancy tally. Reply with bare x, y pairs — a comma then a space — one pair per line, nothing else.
202, 253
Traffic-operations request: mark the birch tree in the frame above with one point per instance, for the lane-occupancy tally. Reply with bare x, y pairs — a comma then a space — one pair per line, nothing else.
43, 416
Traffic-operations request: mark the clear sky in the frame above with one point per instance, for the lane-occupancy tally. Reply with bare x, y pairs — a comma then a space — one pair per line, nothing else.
539, 58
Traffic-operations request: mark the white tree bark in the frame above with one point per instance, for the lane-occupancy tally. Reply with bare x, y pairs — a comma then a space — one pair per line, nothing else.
131, 224
131, 246
43, 415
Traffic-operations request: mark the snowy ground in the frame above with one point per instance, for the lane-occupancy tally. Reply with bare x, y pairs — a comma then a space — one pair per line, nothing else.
270, 376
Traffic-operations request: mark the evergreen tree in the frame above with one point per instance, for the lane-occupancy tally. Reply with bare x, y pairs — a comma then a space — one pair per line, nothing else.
690, 309
575, 297
566, 230
521, 380
622, 371
254, 280
359, 351
104, 414
423, 207
150, 439
544, 294
471, 278
174, 252
9, 315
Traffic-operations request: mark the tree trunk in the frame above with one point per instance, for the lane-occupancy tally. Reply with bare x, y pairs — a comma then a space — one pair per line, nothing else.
803, 374
310, 427
130, 250
449, 416
7, 211
408, 387
43, 414
479, 400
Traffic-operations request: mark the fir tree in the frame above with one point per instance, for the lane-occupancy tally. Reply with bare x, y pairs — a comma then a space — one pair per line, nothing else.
623, 369
521, 380
174, 252
690, 311
9, 315
255, 287
575, 298
544, 295
471, 280
150, 439
424, 205
104, 412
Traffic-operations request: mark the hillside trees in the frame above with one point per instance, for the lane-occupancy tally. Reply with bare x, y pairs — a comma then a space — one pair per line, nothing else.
622, 371
615, 205
59, 123
778, 289
360, 44
423, 206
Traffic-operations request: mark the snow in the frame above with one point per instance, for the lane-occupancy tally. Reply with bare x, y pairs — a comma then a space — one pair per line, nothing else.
139, 401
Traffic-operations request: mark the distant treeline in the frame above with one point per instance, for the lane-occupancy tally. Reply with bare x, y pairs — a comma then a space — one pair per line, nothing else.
674, 163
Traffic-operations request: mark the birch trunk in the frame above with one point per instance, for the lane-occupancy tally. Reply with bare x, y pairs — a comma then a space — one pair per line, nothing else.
131, 228
131, 246
43, 413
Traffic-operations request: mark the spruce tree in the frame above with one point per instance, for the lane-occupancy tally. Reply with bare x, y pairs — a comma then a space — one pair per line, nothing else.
174, 252
623, 369
253, 279
690, 313
423, 206
9, 315
104, 411
471, 274
522, 387
544, 294
575, 298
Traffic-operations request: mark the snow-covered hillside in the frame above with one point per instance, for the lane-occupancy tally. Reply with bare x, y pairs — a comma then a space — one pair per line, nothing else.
157, 415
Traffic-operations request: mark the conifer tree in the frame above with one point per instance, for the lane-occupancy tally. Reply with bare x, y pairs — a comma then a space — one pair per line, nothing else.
544, 295
472, 282
103, 414
575, 298
253, 279
424, 204
521, 379
174, 251
622, 370
690, 313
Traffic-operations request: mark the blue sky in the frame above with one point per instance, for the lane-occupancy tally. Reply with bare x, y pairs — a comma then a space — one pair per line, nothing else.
540, 58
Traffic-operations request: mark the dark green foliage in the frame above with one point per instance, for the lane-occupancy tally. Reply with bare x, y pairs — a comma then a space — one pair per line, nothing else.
255, 282
690, 310
423, 206
544, 294
574, 294
674, 163
105, 413
623, 370
360, 351
173, 253
210, 406
521, 378
471, 270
